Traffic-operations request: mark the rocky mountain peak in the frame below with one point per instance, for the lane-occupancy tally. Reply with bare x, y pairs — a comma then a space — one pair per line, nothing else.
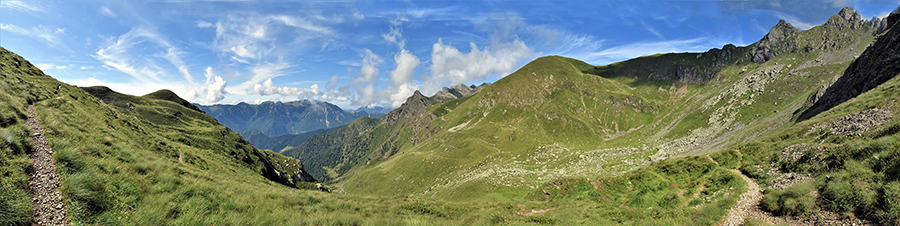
846, 18
413, 106
876, 65
780, 31
774, 42
457, 91
848, 13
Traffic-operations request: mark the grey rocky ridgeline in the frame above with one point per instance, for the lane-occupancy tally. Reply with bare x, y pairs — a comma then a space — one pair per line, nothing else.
47, 205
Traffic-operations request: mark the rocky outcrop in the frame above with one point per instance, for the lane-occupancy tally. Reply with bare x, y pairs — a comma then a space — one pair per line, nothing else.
289, 172
856, 124
457, 91
774, 43
723, 56
847, 18
414, 105
877, 64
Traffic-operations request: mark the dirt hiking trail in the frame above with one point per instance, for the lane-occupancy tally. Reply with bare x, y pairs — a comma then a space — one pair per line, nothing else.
47, 205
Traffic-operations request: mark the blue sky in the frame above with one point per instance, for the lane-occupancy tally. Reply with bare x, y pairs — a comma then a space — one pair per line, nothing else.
366, 53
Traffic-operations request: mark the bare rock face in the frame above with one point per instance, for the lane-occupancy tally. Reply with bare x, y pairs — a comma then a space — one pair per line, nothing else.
457, 91
774, 43
414, 105
877, 64
847, 18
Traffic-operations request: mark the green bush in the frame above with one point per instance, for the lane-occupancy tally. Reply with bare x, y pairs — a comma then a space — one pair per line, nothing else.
89, 189
889, 201
729, 159
795, 200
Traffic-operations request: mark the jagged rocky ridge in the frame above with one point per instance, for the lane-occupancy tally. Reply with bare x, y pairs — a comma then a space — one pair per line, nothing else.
878, 64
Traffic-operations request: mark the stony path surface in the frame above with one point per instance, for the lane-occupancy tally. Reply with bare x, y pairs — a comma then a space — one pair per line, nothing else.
48, 207
748, 207
748, 202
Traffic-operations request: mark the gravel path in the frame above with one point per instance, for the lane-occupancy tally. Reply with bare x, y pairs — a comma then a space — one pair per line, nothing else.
748, 206
48, 207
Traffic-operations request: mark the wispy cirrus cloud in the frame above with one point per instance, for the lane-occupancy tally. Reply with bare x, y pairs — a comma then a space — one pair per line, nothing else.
637, 49
121, 53
793, 20
106, 12
262, 42
25, 6
52, 36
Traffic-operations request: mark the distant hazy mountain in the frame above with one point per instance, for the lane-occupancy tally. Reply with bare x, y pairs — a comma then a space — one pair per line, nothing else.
279, 118
374, 110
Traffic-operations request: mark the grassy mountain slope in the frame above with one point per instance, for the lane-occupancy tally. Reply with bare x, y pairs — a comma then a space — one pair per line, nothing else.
558, 117
118, 157
366, 139
526, 150
135, 158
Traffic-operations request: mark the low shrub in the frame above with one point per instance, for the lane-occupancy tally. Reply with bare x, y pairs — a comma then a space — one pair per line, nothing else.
797, 199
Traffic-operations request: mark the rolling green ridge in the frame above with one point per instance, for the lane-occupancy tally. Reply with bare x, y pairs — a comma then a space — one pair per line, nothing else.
656, 140
559, 118
127, 160
368, 139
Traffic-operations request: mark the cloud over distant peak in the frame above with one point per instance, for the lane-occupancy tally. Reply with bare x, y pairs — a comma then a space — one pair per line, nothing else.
450, 66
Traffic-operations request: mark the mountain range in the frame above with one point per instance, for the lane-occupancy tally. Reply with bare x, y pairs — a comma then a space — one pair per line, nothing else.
796, 128
279, 118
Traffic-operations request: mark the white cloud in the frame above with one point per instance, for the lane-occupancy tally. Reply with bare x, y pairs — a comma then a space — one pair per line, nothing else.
402, 85
628, 51
49, 35
394, 36
204, 24
242, 51
121, 54
406, 65
25, 6
262, 72
107, 12
399, 95
211, 91
366, 81
793, 20
269, 88
60, 67
357, 15
44, 67
85, 67
652, 30
259, 41
304, 24
450, 66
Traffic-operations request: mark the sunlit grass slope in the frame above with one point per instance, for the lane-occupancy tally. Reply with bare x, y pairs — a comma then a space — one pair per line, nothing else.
127, 160
558, 117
